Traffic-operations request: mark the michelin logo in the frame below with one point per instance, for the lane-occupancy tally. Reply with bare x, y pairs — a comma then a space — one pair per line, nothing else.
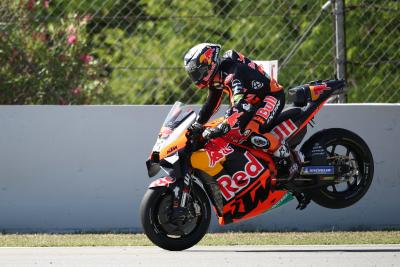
319, 170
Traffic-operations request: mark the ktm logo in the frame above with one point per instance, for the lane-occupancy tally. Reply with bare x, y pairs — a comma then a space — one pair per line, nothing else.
171, 149
206, 57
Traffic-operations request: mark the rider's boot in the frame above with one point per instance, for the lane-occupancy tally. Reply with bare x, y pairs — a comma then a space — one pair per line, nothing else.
303, 199
284, 152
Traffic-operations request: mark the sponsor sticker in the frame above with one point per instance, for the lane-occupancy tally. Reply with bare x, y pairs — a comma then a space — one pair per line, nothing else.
236, 83
236, 136
256, 84
260, 141
271, 105
171, 149
215, 154
230, 186
318, 170
246, 106
273, 112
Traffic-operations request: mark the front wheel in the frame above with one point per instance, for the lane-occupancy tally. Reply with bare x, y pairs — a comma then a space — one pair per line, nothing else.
348, 151
169, 234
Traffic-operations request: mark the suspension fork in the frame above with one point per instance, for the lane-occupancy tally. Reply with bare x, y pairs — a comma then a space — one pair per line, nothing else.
181, 196
187, 185
182, 192
183, 188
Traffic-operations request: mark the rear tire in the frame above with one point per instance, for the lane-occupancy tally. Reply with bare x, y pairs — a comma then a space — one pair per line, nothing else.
355, 187
154, 209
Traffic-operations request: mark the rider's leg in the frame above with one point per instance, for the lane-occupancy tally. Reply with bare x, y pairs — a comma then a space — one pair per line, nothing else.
261, 125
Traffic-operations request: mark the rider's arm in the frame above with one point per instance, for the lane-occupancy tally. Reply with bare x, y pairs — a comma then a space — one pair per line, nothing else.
235, 83
240, 108
211, 105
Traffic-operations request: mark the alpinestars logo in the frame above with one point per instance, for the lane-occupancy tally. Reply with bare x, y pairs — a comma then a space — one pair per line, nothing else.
256, 84
246, 106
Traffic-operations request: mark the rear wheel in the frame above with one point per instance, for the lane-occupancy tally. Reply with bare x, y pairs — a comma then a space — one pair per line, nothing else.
169, 234
353, 160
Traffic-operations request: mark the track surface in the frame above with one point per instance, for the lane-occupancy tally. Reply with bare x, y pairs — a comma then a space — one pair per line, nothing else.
342, 256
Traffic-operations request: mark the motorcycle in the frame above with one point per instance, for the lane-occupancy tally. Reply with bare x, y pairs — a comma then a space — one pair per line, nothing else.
335, 170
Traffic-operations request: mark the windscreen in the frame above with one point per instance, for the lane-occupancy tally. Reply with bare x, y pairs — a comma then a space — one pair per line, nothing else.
179, 118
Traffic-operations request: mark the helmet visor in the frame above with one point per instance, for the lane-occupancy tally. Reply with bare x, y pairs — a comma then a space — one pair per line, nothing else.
198, 74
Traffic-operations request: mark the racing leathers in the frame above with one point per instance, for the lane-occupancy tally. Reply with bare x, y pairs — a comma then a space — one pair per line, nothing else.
256, 100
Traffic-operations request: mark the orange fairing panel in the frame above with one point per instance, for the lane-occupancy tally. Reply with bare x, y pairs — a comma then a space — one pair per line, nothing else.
201, 161
180, 142
211, 158
172, 148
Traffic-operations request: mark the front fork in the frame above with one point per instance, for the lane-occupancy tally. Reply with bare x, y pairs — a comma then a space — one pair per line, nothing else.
180, 202
182, 191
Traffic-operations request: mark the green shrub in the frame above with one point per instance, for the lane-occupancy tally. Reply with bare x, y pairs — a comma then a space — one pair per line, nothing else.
45, 61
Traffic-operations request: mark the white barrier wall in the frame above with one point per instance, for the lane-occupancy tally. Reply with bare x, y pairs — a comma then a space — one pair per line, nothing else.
71, 168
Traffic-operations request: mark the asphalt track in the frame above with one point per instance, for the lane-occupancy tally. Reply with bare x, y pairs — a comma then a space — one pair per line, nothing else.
335, 256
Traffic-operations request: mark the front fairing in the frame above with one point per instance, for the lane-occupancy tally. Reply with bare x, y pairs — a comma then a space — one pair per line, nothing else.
171, 137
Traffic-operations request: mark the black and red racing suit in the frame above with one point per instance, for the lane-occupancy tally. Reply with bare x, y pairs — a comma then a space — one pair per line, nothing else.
256, 100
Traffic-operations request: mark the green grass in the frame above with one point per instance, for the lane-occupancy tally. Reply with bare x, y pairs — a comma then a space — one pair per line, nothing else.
218, 239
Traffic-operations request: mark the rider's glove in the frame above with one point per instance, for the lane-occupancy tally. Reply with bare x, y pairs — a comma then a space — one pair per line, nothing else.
195, 129
217, 131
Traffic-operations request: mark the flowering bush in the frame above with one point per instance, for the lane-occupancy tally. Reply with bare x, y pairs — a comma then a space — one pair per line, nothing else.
44, 61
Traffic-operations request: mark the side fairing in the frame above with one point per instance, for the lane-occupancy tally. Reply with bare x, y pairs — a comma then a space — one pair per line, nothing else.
245, 179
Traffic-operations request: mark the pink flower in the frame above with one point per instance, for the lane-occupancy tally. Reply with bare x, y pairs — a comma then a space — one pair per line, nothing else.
76, 91
46, 3
72, 39
86, 58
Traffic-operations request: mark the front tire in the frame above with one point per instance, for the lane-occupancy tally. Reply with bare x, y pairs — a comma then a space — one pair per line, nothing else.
155, 211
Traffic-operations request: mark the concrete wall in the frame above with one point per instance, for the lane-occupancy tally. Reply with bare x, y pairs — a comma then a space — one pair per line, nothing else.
67, 168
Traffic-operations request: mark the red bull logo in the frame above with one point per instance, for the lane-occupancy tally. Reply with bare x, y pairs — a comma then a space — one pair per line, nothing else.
206, 57
232, 119
230, 186
236, 136
317, 90
216, 151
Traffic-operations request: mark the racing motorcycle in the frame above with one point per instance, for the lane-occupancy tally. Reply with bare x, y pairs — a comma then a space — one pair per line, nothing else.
335, 170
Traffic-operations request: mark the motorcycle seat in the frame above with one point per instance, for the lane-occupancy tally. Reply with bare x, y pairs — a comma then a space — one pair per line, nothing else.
289, 112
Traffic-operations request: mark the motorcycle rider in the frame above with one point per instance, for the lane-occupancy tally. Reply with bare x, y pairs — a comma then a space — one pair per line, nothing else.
256, 99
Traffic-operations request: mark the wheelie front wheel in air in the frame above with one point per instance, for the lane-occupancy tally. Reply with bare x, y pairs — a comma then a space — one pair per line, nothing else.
165, 231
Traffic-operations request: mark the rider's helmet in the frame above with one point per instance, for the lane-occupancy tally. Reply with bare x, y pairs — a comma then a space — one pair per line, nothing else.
201, 63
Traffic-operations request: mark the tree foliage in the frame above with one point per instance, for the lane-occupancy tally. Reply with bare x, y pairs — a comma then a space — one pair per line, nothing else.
136, 47
47, 62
